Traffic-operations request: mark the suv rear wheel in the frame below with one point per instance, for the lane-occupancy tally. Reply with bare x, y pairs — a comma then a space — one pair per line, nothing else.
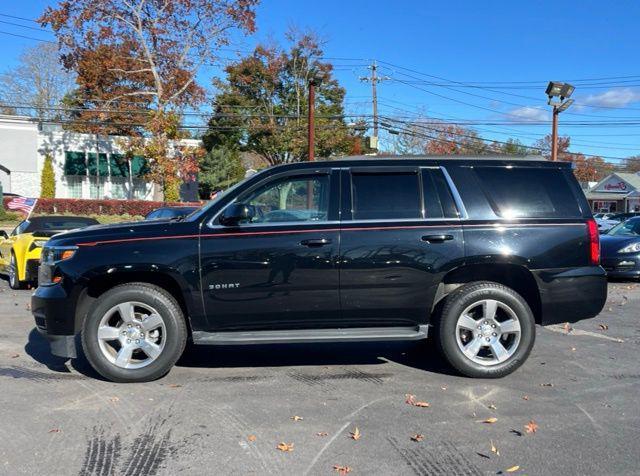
135, 333
486, 330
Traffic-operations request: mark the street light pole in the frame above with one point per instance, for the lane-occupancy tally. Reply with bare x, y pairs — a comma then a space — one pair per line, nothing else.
554, 135
563, 91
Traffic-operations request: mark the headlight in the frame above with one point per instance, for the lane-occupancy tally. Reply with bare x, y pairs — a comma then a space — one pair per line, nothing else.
632, 248
54, 254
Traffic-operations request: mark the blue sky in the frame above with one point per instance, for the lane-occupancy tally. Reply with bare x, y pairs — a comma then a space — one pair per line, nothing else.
503, 51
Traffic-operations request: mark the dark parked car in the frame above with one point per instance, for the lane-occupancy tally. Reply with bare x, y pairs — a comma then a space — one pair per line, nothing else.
621, 249
167, 213
471, 251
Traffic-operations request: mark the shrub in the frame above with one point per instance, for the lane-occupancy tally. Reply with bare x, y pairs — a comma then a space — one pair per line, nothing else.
47, 179
101, 207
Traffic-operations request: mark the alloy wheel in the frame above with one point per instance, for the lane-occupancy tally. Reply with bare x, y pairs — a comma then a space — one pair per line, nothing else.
488, 332
131, 335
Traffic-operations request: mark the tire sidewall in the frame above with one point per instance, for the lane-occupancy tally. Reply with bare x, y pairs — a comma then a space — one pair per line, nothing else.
14, 281
174, 325
463, 298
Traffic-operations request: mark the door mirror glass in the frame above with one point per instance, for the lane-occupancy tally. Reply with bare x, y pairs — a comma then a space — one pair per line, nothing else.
236, 213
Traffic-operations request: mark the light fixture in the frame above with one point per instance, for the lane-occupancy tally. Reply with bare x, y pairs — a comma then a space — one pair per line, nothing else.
567, 90
554, 88
565, 105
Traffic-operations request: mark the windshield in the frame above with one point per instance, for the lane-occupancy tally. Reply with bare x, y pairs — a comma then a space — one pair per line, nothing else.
627, 228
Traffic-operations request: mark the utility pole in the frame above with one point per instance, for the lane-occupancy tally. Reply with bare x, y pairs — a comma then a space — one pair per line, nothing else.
375, 79
311, 119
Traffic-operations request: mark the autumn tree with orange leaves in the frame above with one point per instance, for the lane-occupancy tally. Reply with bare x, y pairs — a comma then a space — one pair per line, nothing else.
586, 169
137, 62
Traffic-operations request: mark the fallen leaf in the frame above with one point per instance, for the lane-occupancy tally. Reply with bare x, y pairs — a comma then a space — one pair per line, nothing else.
573, 349
443, 388
567, 327
512, 469
54, 430
531, 427
342, 470
114, 399
488, 420
322, 433
546, 384
15, 356
525, 397
28, 306
251, 438
297, 418
417, 437
603, 327
516, 432
492, 407
174, 385
285, 447
355, 434
411, 400
494, 449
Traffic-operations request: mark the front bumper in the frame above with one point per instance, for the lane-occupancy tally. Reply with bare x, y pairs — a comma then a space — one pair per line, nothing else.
569, 295
625, 265
53, 309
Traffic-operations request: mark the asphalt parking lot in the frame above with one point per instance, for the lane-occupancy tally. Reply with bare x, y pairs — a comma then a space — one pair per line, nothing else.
225, 410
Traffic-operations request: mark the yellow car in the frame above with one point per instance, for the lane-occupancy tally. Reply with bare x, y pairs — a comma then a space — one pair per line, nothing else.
20, 250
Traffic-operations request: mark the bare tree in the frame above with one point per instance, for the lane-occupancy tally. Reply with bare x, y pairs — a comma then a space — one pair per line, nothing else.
37, 85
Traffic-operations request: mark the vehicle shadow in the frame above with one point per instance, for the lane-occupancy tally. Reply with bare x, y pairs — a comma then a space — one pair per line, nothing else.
38, 349
418, 355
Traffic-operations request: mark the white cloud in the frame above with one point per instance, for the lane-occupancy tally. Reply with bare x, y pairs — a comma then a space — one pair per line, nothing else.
529, 113
613, 98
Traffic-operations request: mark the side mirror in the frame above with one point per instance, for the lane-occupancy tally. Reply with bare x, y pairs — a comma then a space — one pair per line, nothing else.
3, 234
237, 212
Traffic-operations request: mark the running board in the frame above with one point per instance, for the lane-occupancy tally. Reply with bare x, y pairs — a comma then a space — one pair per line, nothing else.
358, 334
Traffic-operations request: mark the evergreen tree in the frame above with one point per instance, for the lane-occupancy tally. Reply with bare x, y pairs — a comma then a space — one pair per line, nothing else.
220, 168
48, 179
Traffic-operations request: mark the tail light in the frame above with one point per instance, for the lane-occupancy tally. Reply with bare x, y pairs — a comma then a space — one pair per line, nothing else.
594, 242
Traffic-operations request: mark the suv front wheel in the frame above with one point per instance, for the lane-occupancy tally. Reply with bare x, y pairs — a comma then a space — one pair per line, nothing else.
485, 330
134, 333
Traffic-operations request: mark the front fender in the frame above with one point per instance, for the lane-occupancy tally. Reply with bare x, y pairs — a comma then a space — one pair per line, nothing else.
23, 252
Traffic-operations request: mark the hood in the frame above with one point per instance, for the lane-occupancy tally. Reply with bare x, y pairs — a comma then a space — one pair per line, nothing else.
117, 231
611, 244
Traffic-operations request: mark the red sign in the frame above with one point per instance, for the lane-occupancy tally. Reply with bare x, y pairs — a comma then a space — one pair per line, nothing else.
615, 186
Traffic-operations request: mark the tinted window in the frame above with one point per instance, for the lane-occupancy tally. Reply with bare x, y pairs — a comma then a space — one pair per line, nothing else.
20, 228
49, 223
291, 199
438, 202
385, 195
523, 192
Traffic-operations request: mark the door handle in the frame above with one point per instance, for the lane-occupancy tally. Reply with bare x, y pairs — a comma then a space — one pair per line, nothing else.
436, 238
316, 242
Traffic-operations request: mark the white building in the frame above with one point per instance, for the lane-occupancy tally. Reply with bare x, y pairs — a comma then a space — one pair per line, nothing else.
85, 165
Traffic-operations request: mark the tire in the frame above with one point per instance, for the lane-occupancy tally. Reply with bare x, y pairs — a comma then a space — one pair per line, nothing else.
141, 347
476, 352
14, 279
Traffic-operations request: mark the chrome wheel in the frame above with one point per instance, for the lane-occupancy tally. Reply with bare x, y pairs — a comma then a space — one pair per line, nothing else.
488, 332
131, 335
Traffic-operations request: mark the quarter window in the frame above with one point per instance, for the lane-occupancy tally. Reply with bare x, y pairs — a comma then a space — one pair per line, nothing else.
291, 199
527, 192
378, 196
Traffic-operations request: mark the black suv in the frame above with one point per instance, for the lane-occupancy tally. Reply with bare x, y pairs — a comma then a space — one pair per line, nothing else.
472, 252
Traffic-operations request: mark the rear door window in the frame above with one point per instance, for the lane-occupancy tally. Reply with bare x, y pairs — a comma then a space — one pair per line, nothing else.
438, 202
386, 195
528, 192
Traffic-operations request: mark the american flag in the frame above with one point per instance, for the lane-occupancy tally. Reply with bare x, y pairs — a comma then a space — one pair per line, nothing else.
22, 204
